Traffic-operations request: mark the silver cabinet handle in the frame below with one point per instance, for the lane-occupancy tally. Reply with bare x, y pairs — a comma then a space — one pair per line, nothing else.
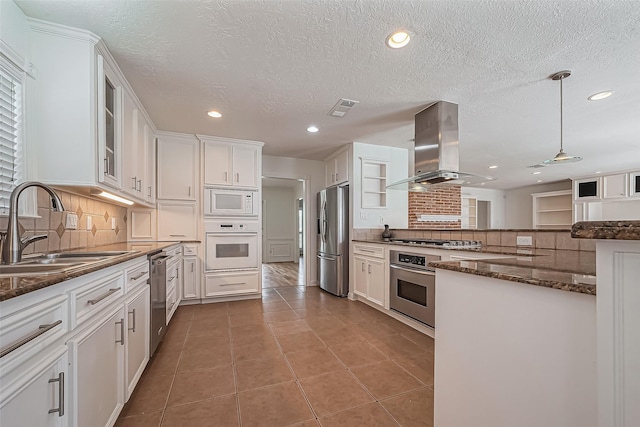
60, 381
337, 176
237, 177
189, 191
177, 235
133, 279
149, 193
139, 189
134, 183
172, 277
232, 284
192, 266
226, 177
103, 296
411, 270
133, 328
121, 323
363, 266
369, 251
41, 330
177, 273
369, 269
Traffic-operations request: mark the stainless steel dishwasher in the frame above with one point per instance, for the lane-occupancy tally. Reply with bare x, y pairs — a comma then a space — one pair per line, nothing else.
158, 285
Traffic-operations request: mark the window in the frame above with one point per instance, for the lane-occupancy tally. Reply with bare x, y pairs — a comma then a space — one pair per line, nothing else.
11, 153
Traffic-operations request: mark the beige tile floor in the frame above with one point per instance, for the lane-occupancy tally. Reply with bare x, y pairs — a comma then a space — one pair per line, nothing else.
299, 357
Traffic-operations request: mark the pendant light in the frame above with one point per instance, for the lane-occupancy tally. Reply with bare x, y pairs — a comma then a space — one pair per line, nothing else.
561, 157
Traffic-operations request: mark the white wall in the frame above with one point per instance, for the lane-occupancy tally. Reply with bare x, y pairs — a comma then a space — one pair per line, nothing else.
312, 171
15, 34
519, 203
279, 219
395, 214
497, 200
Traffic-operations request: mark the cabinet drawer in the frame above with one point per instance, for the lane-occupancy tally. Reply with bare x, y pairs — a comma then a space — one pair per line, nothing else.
369, 250
94, 297
25, 332
223, 284
174, 251
136, 275
190, 250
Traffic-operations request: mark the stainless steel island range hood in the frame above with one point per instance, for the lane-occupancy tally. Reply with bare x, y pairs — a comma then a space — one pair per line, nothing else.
436, 151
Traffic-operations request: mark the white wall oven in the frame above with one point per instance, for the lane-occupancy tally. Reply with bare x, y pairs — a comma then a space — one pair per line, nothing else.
231, 244
224, 202
413, 286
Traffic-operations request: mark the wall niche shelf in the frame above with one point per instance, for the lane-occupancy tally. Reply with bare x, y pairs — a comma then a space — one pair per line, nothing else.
374, 183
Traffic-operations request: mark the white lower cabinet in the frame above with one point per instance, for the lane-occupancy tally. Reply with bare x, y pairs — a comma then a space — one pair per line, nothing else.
73, 352
231, 283
190, 278
137, 340
370, 279
97, 370
38, 399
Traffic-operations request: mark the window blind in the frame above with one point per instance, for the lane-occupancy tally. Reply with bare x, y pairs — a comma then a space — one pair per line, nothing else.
10, 134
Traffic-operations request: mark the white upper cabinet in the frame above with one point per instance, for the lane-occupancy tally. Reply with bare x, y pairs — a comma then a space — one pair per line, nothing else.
337, 168
231, 163
614, 186
82, 115
177, 166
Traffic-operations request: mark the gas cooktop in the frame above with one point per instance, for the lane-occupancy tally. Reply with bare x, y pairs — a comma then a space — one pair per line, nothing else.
441, 243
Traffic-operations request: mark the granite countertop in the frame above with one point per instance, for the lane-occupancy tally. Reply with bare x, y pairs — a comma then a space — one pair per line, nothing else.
13, 286
567, 270
618, 230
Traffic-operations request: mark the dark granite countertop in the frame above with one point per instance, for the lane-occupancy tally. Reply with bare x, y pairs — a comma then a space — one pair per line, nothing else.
567, 270
13, 286
617, 230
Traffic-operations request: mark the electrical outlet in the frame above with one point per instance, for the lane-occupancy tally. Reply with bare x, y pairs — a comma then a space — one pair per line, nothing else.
113, 223
382, 219
89, 223
363, 215
524, 241
71, 221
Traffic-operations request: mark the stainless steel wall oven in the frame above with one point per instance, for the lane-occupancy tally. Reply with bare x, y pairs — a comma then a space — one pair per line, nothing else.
413, 286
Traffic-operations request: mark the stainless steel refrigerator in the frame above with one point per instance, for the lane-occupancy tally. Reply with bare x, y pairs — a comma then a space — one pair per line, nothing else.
333, 240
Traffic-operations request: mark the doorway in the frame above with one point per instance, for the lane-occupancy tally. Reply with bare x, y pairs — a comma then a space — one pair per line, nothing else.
283, 233
484, 214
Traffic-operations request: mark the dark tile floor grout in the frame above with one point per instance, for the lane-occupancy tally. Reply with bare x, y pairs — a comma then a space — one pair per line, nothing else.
406, 343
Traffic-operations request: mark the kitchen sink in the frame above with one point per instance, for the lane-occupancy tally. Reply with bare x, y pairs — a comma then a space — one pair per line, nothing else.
31, 269
57, 262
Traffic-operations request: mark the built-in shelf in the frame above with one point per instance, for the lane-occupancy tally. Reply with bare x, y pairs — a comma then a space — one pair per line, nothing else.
469, 212
374, 183
553, 209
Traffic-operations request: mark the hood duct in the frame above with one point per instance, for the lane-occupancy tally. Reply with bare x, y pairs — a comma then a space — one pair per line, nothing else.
436, 151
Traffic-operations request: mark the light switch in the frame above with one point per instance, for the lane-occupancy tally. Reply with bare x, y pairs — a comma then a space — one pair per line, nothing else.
89, 223
524, 241
113, 223
71, 221
363, 215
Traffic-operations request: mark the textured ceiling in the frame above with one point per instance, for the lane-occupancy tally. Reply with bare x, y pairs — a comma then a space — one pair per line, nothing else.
275, 67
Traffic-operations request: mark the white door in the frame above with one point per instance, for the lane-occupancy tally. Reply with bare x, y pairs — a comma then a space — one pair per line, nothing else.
177, 168
137, 344
231, 251
190, 277
177, 221
42, 390
98, 371
342, 167
245, 166
361, 276
377, 284
217, 164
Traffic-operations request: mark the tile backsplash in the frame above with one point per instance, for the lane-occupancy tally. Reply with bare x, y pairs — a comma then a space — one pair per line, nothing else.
543, 239
59, 238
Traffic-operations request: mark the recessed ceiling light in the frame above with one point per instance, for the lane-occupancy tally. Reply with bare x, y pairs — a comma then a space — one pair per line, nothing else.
536, 173
539, 180
312, 129
493, 167
214, 114
600, 95
598, 172
398, 39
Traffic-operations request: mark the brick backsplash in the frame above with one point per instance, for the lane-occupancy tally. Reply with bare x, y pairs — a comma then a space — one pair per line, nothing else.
59, 238
549, 239
442, 201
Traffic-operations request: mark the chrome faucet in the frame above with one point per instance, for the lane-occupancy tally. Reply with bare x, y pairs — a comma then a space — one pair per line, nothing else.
13, 245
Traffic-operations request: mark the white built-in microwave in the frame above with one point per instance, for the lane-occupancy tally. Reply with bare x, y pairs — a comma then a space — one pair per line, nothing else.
226, 202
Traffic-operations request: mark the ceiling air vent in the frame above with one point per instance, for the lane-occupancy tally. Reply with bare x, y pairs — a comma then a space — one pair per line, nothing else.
342, 107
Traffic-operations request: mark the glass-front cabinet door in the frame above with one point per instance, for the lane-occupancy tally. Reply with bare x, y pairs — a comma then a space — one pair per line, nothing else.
109, 125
